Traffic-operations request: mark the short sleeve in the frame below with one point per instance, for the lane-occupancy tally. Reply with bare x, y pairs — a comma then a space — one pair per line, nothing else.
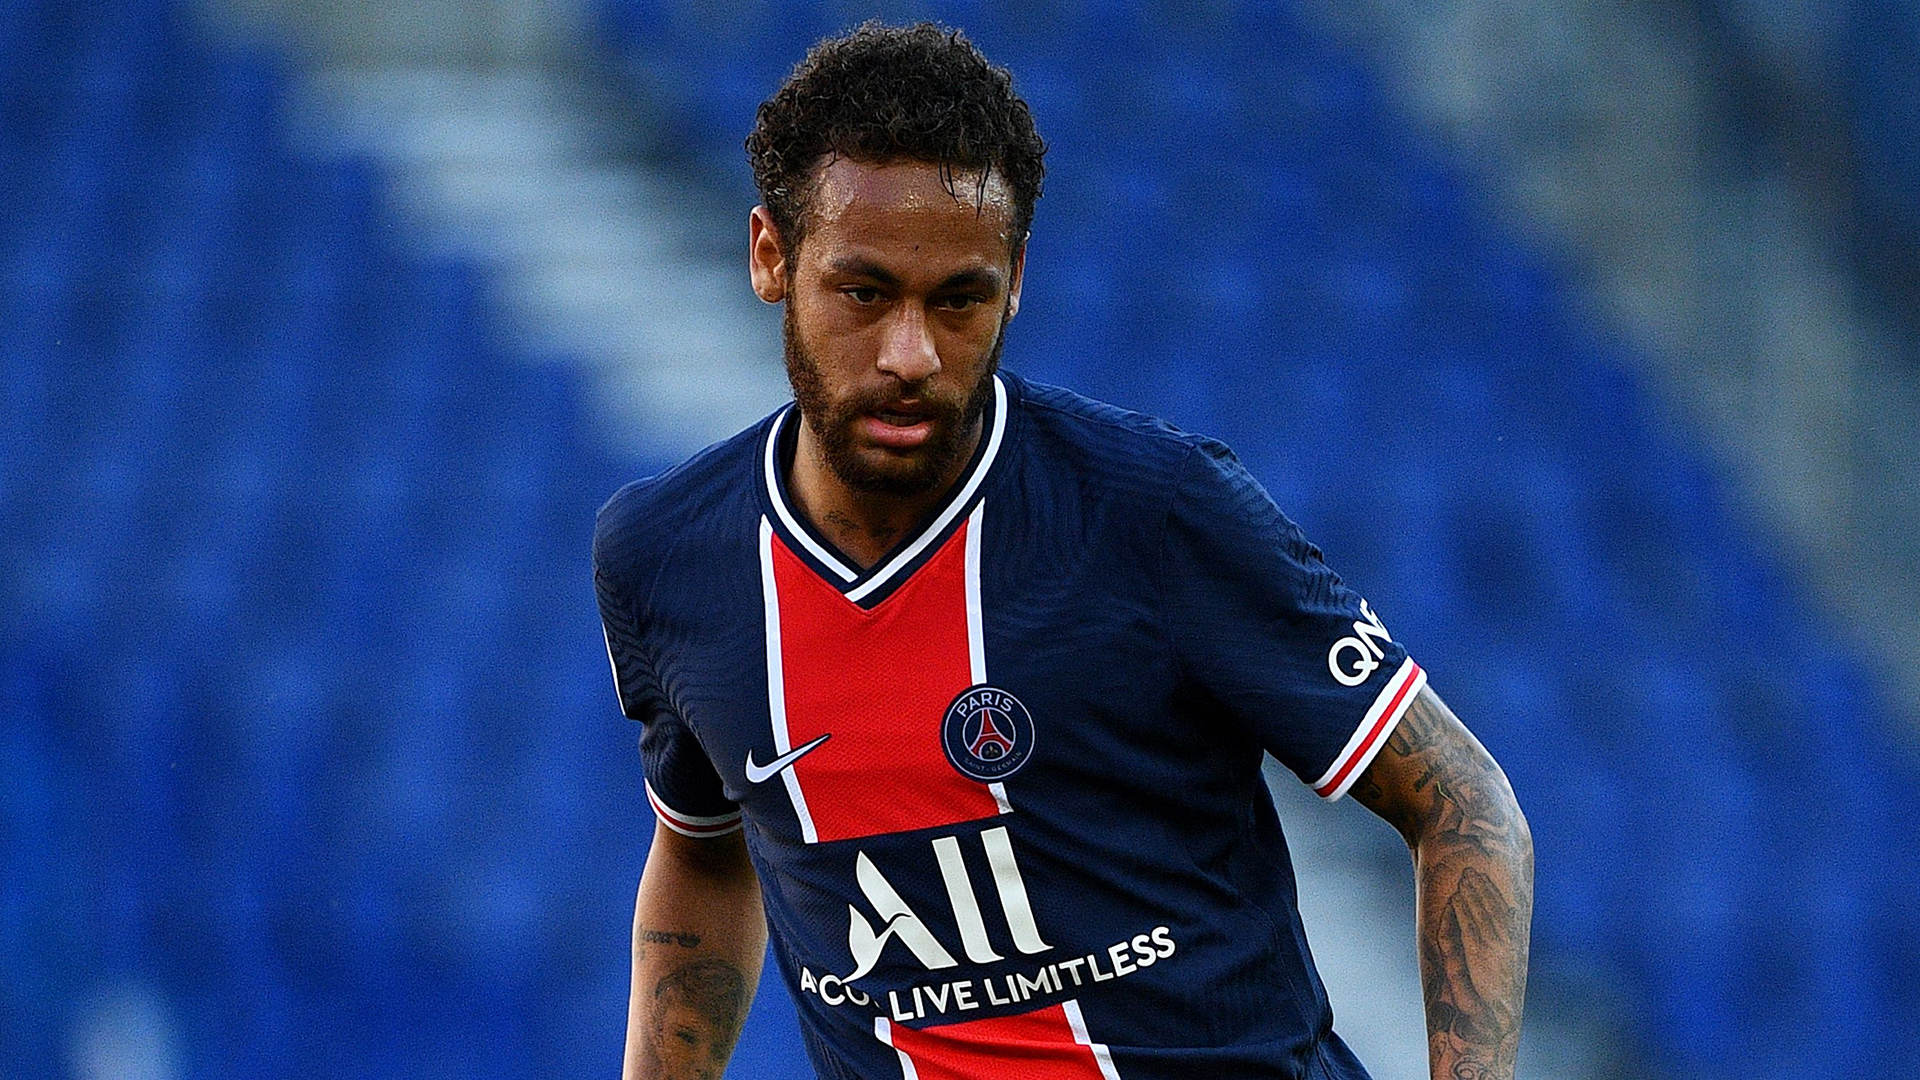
1272, 635
682, 786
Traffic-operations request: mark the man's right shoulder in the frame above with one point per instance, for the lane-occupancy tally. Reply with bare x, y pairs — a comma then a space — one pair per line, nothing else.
711, 492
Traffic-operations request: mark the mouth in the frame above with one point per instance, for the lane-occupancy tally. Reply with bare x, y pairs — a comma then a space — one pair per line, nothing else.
898, 426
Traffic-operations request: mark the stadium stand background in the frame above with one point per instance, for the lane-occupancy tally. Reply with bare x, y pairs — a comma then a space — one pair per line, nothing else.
308, 765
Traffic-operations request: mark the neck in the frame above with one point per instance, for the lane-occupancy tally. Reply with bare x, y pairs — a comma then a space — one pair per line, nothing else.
865, 525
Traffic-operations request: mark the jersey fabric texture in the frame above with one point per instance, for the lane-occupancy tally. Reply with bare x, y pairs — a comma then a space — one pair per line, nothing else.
1003, 789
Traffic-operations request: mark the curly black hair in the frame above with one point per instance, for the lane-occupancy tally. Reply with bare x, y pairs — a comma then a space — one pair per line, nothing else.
882, 94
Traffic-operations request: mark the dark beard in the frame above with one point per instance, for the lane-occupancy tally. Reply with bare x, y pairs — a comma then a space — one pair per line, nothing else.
832, 424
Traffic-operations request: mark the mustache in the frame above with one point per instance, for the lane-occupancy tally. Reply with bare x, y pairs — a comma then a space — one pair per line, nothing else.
929, 405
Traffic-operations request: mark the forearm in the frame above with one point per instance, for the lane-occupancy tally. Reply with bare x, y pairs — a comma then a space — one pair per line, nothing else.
1475, 906
1473, 872
699, 934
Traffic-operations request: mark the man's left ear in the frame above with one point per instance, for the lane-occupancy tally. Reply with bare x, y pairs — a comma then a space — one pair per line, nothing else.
1019, 277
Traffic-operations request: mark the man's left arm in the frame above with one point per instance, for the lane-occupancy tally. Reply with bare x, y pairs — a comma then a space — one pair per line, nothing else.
1473, 872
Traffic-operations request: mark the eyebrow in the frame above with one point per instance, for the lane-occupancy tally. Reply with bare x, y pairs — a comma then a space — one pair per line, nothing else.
972, 278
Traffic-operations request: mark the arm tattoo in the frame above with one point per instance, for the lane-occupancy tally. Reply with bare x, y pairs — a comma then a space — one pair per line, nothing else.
1476, 920
694, 1019
1458, 795
1474, 861
669, 937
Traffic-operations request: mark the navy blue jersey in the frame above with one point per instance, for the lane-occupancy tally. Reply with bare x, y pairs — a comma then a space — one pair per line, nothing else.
1003, 788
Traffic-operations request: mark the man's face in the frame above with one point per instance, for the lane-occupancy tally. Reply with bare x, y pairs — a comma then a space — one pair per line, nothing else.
897, 303
683, 1041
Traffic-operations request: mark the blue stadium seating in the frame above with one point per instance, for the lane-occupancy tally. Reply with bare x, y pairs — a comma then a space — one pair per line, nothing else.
1878, 66
306, 720
1855, 64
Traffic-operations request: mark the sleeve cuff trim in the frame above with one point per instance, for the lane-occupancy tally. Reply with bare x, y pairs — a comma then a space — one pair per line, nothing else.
692, 825
1382, 717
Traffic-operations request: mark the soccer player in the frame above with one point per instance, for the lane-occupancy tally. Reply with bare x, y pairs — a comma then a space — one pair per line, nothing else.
958, 685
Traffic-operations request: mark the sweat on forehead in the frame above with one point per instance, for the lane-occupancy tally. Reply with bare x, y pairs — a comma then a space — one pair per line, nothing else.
839, 182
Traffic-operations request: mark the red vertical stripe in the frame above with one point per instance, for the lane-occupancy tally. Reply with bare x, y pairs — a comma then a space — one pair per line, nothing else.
1031, 1046
879, 681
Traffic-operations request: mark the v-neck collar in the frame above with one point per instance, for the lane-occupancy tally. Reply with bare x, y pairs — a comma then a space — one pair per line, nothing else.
868, 587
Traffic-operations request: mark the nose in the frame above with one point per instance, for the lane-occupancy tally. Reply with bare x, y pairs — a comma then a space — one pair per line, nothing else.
907, 351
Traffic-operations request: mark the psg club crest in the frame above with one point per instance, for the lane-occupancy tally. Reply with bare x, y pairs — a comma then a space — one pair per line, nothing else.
987, 733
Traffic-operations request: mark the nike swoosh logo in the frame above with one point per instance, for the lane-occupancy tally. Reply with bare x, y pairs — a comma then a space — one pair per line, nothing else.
760, 773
